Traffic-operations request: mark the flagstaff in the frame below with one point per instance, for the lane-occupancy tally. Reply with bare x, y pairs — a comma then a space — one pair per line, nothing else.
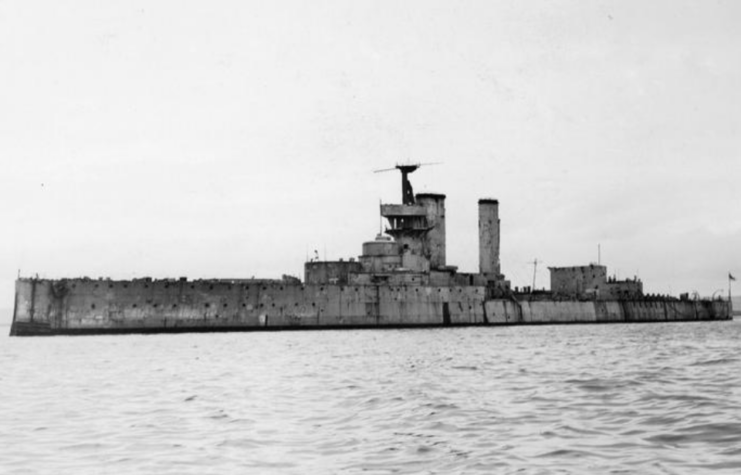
730, 302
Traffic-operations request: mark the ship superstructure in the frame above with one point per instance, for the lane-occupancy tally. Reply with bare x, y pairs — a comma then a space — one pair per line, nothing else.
412, 251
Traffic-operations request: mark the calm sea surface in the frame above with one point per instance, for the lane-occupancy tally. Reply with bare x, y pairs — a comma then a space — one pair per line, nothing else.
642, 398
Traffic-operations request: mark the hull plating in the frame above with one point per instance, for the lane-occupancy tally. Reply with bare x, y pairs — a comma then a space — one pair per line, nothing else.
84, 306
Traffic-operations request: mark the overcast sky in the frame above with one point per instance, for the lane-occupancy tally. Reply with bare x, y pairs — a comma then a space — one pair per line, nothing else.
232, 138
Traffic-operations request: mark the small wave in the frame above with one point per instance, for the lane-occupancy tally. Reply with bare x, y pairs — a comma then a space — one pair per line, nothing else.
716, 432
713, 433
565, 453
598, 384
578, 430
716, 361
243, 443
731, 451
661, 420
721, 466
674, 397
669, 439
423, 449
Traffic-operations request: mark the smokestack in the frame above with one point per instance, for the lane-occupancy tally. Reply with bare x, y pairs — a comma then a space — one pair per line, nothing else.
489, 237
434, 242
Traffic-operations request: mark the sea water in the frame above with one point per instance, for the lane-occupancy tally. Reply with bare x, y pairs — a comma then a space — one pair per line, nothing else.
619, 398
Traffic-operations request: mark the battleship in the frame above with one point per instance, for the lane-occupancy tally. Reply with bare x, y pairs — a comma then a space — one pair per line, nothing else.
400, 280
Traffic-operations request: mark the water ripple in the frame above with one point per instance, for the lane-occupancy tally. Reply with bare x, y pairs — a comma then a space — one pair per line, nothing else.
655, 399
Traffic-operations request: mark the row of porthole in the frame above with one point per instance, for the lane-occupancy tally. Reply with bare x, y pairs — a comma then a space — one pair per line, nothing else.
192, 286
246, 287
244, 305
208, 305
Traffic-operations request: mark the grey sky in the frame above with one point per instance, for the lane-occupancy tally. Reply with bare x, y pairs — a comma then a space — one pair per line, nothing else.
228, 139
